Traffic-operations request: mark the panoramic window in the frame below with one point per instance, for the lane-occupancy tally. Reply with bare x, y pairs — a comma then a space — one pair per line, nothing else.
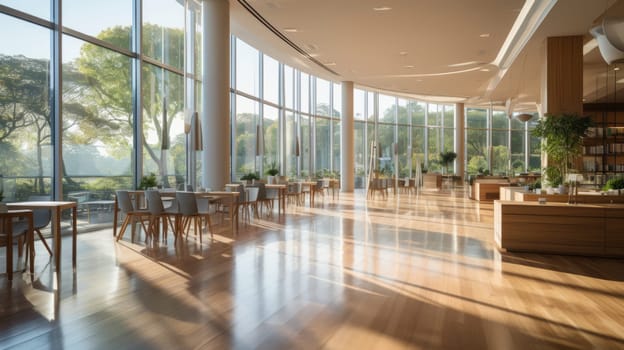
38, 8
98, 121
163, 31
25, 110
109, 21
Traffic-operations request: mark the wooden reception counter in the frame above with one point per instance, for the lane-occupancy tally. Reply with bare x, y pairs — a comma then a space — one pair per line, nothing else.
577, 229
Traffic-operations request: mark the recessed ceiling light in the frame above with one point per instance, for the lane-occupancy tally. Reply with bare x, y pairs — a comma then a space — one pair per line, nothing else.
408, 66
403, 53
330, 63
382, 8
616, 69
484, 70
291, 30
484, 35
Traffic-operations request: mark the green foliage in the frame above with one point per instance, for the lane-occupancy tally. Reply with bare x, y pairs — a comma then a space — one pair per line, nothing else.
250, 176
554, 177
447, 158
273, 169
615, 183
147, 181
562, 137
477, 164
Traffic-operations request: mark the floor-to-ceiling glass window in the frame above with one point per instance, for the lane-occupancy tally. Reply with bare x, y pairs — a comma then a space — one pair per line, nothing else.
418, 111
25, 108
403, 138
517, 146
499, 151
99, 96
98, 119
476, 141
385, 133
359, 137
435, 137
535, 155
247, 143
271, 135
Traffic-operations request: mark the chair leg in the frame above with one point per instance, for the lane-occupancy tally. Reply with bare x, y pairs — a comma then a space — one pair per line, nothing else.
43, 241
122, 230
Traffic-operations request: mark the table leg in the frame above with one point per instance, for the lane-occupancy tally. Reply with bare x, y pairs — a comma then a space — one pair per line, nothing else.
115, 208
74, 237
31, 245
8, 228
56, 233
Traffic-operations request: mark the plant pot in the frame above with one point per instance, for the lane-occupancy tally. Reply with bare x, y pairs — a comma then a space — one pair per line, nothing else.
270, 179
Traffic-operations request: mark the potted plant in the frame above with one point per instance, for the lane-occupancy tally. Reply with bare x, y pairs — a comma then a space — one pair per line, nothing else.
562, 141
250, 177
272, 171
147, 182
615, 183
446, 159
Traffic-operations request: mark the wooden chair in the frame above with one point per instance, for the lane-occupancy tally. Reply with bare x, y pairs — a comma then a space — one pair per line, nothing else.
189, 213
41, 219
126, 206
159, 213
7, 239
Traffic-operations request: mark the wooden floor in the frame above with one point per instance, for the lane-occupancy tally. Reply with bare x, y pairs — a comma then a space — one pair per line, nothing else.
417, 272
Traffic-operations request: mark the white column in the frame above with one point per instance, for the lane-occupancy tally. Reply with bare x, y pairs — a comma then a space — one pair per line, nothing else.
460, 141
347, 159
215, 114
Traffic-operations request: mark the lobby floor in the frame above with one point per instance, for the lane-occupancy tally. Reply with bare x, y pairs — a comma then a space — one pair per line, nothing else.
409, 272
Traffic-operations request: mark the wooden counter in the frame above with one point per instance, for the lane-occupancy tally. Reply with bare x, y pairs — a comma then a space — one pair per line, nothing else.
563, 198
487, 190
432, 181
578, 229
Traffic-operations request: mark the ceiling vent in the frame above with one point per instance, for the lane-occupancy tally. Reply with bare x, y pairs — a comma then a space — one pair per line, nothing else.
610, 37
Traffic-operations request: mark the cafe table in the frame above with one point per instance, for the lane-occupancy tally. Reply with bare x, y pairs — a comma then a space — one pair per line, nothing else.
56, 207
281, 196
7, 227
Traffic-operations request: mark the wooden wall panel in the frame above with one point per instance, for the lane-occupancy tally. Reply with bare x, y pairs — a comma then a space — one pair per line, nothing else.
564, 75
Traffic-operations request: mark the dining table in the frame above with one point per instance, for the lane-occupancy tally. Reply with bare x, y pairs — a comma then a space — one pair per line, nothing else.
138, 197
7, 219
281, 196
56, 207
309, 187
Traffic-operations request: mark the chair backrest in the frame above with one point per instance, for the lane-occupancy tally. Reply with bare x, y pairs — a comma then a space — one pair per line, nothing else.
124, 202
240, 189
154, 202
252, 194
320, 184
41, 217
271, 193
187, 203
262, 191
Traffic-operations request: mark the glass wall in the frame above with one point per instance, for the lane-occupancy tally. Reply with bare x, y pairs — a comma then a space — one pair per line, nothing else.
25, 108
102, 102
497, 144
300, 117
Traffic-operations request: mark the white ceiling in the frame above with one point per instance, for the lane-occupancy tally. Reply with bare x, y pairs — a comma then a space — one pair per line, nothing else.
431, 49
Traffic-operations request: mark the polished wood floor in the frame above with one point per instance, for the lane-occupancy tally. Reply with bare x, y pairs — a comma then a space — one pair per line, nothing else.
410, 272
